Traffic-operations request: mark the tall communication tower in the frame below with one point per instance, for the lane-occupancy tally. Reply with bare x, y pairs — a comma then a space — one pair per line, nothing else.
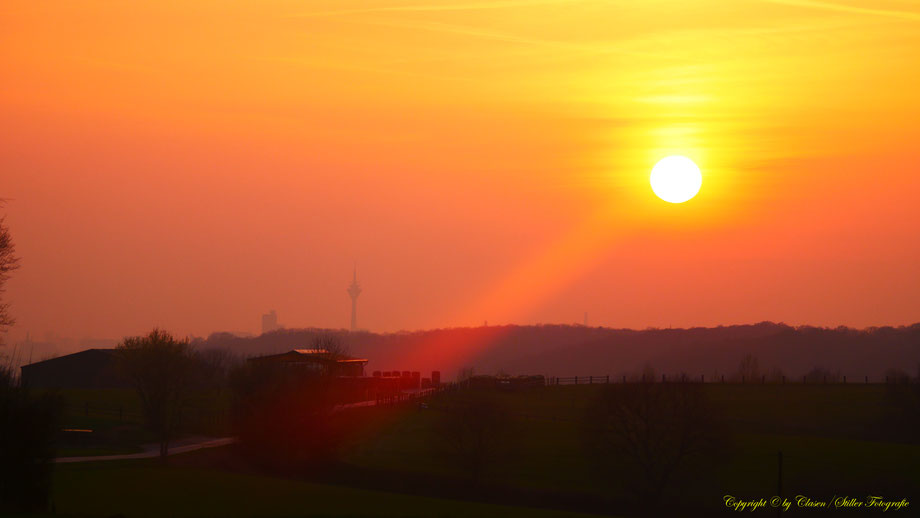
353, 291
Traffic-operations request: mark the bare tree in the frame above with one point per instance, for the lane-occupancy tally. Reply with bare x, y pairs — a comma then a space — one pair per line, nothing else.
8, 263
162, 370
646, 435
331, 343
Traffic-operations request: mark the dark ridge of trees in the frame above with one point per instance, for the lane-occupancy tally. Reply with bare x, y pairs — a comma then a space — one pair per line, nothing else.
29, 426
567, 350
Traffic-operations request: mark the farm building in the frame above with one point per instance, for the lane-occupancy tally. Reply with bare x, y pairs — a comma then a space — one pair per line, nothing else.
317, 359
92, 368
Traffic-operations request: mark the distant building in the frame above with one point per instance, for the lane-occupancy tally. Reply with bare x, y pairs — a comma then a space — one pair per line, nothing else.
319, 360
92, 368
270, 322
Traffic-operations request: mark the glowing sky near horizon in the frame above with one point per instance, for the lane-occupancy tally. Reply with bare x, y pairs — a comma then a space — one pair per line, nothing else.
192, 165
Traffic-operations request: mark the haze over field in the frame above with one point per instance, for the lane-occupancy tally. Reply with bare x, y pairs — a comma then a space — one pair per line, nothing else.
555, 350
192, 165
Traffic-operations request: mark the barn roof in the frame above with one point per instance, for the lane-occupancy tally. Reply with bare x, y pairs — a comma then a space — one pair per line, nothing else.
85, 354
308, 356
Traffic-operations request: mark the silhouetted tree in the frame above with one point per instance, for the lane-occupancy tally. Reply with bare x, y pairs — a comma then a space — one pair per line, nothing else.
648, 435
8, 263
331, 343
162, 370
473, 430
28, 427
28, 424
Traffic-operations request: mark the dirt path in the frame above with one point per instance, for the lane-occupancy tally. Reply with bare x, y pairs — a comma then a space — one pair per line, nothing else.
153, 450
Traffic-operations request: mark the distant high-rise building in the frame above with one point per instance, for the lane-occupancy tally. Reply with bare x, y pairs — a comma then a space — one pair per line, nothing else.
270, 322
353, 291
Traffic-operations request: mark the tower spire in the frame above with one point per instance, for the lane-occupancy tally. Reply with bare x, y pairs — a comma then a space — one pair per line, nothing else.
353, 291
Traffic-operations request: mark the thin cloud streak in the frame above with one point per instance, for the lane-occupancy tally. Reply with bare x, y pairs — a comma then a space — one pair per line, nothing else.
473, 6
829, 6
464, 30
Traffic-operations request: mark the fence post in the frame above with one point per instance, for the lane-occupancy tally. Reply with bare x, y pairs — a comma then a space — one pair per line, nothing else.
590, 380
576, 380
779, 480
723, 378
624, 378
663, 378
867, 379
608, 379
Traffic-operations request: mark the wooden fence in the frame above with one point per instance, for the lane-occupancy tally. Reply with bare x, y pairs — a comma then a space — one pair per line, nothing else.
762, 380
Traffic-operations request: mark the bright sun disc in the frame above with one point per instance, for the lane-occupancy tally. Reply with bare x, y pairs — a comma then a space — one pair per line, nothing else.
676, 179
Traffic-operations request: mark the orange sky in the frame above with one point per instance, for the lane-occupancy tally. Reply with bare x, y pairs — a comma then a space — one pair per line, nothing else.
192, 165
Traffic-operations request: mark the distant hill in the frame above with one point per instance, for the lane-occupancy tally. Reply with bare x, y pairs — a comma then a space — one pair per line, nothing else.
565, 350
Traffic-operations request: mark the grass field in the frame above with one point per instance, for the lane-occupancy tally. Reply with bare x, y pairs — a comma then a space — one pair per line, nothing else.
835, 440
146, 489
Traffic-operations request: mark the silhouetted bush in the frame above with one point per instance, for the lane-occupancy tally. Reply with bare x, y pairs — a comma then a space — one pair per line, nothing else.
649, 437
28, 427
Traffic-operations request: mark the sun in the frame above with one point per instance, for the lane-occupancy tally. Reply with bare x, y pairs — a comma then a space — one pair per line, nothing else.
676, 179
